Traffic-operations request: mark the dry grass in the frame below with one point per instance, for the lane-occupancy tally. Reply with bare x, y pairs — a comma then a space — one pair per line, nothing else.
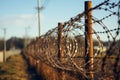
15, 68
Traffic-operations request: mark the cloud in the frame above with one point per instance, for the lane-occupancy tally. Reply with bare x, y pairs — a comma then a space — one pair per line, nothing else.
19, 20
16, 24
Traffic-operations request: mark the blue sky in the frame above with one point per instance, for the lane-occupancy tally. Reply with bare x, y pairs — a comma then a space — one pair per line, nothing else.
17, 15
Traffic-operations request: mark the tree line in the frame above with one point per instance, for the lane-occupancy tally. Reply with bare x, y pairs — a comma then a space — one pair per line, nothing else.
14, 42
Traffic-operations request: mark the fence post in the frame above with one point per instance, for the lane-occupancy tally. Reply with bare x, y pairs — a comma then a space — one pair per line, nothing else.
60, 54
88, 39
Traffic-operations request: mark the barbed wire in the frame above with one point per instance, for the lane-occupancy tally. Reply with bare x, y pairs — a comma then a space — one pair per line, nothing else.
45, 48
111, 30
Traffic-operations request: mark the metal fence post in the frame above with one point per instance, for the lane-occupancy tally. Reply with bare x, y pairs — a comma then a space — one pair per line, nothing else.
88, 39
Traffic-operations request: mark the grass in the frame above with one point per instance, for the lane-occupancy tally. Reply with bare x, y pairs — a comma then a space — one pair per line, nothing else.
15, 68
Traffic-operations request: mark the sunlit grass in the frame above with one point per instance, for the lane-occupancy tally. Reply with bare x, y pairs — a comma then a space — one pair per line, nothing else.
15, 68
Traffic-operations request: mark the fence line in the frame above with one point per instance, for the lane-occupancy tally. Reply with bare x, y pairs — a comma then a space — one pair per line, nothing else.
48, 48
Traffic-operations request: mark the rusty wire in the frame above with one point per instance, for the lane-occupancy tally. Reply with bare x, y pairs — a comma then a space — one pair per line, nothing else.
106, 62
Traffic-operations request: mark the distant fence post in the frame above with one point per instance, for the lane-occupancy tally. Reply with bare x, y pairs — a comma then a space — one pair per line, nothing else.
88, 39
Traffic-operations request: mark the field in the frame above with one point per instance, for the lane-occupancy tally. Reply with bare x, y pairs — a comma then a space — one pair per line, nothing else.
16, 68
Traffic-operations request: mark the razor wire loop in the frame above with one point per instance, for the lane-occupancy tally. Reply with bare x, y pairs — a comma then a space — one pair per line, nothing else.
45, 47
